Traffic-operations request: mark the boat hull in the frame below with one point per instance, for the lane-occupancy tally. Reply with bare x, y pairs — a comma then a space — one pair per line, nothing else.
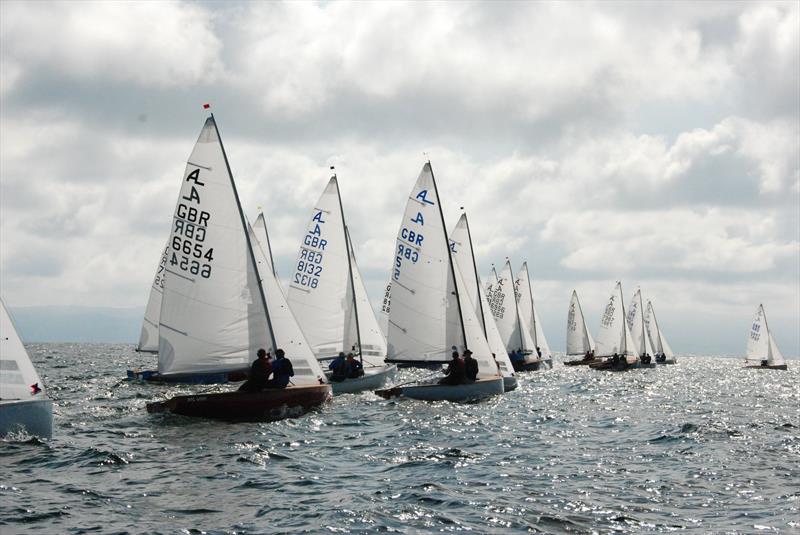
480, 389
527, 365
267, 405
581, 362
372, 379
670, 361
621, 366
34, 417
217, 378
509, 384
769, 367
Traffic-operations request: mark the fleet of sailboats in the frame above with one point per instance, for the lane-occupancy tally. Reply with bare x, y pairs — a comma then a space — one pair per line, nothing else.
216, 298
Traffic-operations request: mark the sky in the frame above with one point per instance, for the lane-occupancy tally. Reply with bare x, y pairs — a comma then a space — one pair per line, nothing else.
653, 143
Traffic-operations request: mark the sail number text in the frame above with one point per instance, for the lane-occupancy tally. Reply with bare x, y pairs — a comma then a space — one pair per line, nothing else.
188, 250
409, 242
309, 265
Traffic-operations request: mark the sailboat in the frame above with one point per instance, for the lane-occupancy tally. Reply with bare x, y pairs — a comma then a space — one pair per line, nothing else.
216, 310
329, 300
664, 354
639, 334
761, 346
428, 315
614, 343
24, 405
529, 317
464, 255
502, 297
579, 339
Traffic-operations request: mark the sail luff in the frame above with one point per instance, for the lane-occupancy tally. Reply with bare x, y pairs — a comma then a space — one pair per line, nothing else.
477, 279
349, 269
246, 231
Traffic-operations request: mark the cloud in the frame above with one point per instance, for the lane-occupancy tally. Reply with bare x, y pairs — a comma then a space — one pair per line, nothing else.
150, 44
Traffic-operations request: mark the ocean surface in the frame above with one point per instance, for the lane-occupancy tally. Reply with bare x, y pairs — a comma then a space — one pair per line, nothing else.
700, 447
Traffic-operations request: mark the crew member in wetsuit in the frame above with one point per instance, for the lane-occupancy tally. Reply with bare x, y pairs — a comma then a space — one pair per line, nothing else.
353, 368
282, 371
259, 373
337, 367
470, 366
455, 374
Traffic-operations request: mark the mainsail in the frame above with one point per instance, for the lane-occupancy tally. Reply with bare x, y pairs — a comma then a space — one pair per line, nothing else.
529, 317
660, 345
503, 303
262, 238
636, 324
760, 344
148, 339
579, 339
464, 256
613, 336
214, 311
373, 342
17, 374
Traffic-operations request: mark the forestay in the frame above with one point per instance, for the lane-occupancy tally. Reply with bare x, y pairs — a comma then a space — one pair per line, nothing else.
319, 289
760, 343
579, 340
613, 335
212, 310
148, 338
17, 374
424, 320
464, 257
373, 343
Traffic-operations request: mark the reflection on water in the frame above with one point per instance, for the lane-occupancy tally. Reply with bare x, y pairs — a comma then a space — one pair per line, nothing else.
702, 446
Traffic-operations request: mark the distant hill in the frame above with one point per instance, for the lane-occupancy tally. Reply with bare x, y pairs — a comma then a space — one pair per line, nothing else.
78, 324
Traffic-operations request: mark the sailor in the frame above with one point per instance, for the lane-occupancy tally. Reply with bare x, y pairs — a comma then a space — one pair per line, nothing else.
353, 368
615, 359
588, 356
337, 368
517, 356
282, 370
765, 362
259, 373
470, 366
539, 352
455, 374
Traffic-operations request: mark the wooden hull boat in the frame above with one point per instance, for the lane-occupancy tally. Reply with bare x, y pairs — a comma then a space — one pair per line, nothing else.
267, 405
581, 362
768, 367
527, 365
509, 384
480, 389
373, 379
34, 417
152, 376
620, 366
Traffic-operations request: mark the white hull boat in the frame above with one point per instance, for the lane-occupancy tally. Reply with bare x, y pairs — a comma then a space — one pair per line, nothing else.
34, 417
373, 379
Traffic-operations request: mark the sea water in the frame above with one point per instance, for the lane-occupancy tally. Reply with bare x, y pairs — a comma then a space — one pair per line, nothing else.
701, 446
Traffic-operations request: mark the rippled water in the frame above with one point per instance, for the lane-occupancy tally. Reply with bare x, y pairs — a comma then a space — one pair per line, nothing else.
702, 446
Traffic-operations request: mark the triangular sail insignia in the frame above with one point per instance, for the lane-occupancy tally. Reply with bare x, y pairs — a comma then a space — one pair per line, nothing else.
148, 338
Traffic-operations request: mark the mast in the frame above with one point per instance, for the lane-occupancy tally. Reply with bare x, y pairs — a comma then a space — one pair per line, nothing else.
349, 267
644, 334
533, 309
624, 321
247, 236
477, 279
449, 258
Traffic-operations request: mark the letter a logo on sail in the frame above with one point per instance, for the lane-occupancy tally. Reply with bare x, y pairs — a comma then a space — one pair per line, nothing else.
422, 196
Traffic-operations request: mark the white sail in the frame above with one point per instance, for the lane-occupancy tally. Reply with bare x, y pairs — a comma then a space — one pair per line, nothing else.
613, 335
636, 323
503, 303
464, 257
17, 374
148, 338
579, 340
529, 317
424, 320
473, 330
287, 333
659, 341
386, 305
761, 344
212, 310
319, 287
262, 238
373, 342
